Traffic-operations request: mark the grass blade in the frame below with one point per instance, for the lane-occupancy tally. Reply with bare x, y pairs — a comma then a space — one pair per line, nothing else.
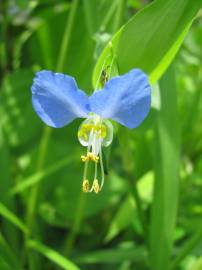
6, 213
190, 244
52, 255
166, 159
39, 176
122, 219
114, 255
7, 254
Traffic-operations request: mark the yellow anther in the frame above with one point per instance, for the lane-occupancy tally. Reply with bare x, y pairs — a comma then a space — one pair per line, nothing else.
84, 158
96, 186
92, 157
85, 185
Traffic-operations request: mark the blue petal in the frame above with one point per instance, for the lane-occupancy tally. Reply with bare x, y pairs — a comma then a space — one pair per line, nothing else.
126, 99
57, 99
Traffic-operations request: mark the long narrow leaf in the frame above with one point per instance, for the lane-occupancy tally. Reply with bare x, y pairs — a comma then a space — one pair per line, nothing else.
114, 255
37, 177
6, 213
166, 159
150, 39
7, 253
186, 249
52, 255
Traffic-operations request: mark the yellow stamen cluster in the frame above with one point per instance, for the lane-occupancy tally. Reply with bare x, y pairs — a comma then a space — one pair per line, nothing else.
86, 185
96, 186
90, 156
92, 133
99, 129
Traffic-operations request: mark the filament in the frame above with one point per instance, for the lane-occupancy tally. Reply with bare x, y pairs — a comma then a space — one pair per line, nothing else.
94, 153
87, 161
95, 177
102, 170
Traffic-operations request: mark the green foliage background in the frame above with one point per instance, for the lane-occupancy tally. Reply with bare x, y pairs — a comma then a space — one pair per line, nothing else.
149, 214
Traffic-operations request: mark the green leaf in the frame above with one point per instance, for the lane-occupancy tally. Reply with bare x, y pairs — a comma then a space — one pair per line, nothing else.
7, 254
45, 44
186, 248
124, 217
198, 264
4, 265
145, 186
6, 182
18, 118
39, 176
150, 39
134, 254
100, 15
127, 213
6, 213
166, 161
52, 255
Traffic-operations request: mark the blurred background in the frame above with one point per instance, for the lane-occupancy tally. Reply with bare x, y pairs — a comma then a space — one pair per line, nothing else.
149, 213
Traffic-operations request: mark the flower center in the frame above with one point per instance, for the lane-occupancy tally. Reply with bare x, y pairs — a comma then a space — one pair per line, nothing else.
94, 133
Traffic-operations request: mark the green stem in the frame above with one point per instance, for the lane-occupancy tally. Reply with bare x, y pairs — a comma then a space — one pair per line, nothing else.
47, 130
4, 48
66, 36
128, 165
196, 238
135, 194
34, 191
91, 20
109, 15
32, 203
119, 18
76, 226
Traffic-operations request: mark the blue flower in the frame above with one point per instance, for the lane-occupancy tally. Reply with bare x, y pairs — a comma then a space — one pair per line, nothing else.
126, 99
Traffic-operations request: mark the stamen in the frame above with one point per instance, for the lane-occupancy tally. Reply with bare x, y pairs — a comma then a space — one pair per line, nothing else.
94, 133
90, 156
85, 185
93, 157
84, 158
86, 166
102, 170
95, 177
96, 186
